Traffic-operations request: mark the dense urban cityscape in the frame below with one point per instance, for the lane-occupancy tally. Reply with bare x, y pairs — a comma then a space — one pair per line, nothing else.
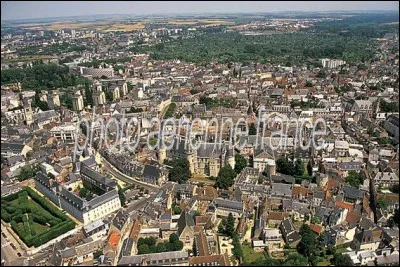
232, 139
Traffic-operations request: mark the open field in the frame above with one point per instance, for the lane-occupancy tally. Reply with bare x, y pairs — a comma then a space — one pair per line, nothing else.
34, 219
249, 255
121, 25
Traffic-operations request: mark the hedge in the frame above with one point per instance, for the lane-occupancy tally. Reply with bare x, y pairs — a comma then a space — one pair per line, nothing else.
59, 222
38, 219
4, 216
10, 209
45, 204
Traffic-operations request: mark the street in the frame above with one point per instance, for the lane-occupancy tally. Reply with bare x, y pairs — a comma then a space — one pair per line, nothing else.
112, 170
7, 252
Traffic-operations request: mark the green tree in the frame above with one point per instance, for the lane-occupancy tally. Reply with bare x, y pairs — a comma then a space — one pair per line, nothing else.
143, 249
225, 178
88, 94
83, 192
321, 74
180, 171
342, 260
252, 129
121, 195
308, 243
299, 167
395, 188
230, 225
173, 238
28, 172
354, 179
284, 166
382, 204
309, 84
240, 163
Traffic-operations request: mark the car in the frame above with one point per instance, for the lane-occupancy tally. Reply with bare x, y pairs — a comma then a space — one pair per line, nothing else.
19, 254
13, 246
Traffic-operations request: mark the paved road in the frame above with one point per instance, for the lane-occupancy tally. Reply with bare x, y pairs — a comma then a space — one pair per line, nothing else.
136, 205
8, 253
112, 170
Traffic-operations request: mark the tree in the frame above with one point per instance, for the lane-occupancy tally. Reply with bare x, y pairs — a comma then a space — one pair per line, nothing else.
221, 226
109, 96
395, 188
342, 260
230, 225
27, 172
173, 238
308, 243
143, 249
83, 192
284, 166
296, 260
161, 247
180, 171
309, 84
237, 248
299, 167
252, 129
240, 163
382, 204
315, 219
88, 94
321, 74
121, 195
225, 178
354, 179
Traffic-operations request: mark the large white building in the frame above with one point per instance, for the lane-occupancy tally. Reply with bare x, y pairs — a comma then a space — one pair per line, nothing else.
66, 133
105, 198
332, 63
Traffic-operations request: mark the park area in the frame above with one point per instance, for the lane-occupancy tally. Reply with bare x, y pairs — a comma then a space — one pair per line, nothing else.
34, 219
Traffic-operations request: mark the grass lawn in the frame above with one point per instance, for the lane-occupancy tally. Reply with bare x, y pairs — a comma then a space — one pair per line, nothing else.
324, 263
298, 224
341, 250
202, 179
249, 255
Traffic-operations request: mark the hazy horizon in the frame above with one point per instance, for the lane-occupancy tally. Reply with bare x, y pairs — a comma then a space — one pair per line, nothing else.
18, 10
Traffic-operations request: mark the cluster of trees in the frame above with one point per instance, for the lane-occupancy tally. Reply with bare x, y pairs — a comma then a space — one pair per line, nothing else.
176, 209
170, 111
252, 129
283, 165
148, 245
387, 141
237, 250
354, 179
290, 48
36, 102
227, 226
180, 171
240, 163
28, 172
24, 215
135, 110
292, 260
389, 106
225, 178
220, 102
44, 76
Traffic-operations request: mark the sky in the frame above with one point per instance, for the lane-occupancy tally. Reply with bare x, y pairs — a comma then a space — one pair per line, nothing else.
43, 9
